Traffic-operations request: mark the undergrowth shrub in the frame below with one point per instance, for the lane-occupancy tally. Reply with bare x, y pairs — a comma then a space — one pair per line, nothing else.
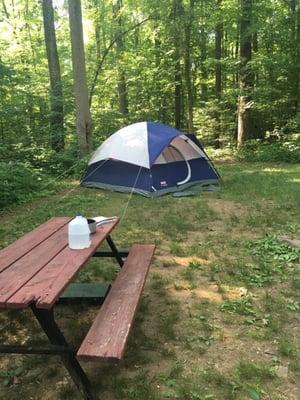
19, 182
31, 170
280, 151
46, 160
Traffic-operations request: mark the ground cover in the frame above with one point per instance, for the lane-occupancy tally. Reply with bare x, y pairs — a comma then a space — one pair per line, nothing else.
219, 317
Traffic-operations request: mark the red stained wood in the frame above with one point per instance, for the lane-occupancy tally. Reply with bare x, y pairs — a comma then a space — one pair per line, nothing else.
46, 286
24, 269
18, 249
108, 335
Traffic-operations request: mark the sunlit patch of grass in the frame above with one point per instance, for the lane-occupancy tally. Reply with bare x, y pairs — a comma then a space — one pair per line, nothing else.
167, 263
274, 304
295, 367
177, 249
259, 333
198, 334
189, 275
295, 284
286, 347
242, 306
275, 308
201, 249
251, 371
158, 283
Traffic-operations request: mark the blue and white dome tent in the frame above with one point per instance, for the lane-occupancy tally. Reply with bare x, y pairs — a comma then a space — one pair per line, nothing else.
151, 159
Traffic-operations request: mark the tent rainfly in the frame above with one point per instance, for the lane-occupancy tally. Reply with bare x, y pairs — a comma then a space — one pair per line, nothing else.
151, 159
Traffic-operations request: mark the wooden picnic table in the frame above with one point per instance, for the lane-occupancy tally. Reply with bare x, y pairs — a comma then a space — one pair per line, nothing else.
37, 268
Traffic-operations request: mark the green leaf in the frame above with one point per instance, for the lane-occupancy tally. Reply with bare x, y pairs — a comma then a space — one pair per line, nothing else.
18, 371
6, 382
253, 395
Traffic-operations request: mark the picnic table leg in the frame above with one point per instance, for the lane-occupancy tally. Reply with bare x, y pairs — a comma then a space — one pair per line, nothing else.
56, 337
114, 250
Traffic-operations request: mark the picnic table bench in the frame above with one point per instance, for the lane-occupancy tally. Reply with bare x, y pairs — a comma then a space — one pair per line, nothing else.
37, 268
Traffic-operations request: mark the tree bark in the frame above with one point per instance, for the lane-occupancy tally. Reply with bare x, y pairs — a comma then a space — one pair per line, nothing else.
295, 55
56, 95
218, 72
244, 120
297, 63
122, 87
203, 55
246, 76
83, 115
97, 31
187, 66
177, 13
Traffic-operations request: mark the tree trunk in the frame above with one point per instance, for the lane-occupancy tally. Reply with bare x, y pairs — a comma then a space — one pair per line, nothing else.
203, 55
246, 75
236, 55
244, 120
295, 55
297, 63
178, 87
122, 87
97, 33
83, 115
56, 95
177, 13
218, 72
187, 66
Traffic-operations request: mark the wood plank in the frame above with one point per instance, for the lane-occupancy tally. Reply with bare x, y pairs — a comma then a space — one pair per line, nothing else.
21, 271
19, 248
109, 332
45, 287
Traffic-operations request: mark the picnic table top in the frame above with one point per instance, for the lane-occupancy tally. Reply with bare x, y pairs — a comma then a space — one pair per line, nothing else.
40, 265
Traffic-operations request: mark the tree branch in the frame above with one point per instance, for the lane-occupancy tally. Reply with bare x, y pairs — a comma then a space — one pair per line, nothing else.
106, 51
5, 9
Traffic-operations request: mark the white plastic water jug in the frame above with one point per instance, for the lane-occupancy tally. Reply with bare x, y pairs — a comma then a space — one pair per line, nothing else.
79, 233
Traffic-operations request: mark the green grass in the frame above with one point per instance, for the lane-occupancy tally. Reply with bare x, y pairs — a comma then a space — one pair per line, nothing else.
286, 347
249, 371
192, 338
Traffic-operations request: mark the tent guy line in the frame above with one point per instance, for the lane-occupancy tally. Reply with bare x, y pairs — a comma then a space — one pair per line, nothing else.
130, 197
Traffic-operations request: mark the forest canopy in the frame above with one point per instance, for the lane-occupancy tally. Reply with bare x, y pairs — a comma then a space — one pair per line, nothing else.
227, 70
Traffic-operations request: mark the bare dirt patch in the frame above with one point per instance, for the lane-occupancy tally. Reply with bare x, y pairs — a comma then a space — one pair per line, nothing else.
208, 291
227, 208
182, 261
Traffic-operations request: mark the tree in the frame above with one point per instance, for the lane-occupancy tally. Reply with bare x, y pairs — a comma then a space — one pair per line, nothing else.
56, 95
122, 88
177, 13
218, 70
203, 53
246, 76
187, 64
182, 59
83, 115
295, 55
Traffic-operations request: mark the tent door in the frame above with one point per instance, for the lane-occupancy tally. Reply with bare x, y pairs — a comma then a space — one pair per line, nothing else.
171, 164
189, 171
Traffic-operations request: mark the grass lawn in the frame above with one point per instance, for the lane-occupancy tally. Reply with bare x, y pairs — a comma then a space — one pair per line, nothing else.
219, 318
